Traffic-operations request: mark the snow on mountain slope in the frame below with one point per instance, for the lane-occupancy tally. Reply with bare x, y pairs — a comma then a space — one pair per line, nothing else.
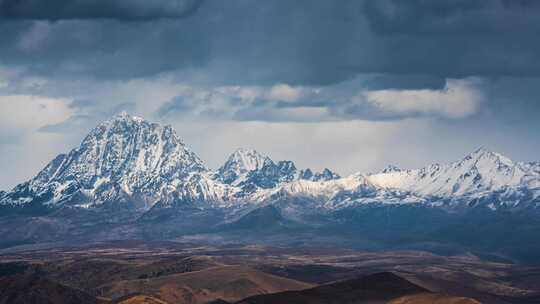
483, 177
478, 174
138, 164
123, 159
128, 160
325, 175
253, 173
316, 189
240, 164
339, 193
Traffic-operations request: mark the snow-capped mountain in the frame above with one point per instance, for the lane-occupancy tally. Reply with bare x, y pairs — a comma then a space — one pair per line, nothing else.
251, 172
325, 175
481, 174
483, 178
130, 162
123, 160
240, 164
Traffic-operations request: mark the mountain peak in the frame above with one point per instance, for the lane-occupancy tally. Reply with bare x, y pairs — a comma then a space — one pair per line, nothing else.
125, 116
128, 158
391, 169
482, 155
241, 162
483, 151
245, 151
247, 159
123, 122
326, 175
121, 157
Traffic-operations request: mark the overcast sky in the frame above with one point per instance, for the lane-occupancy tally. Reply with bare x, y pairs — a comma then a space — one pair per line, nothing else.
350, 85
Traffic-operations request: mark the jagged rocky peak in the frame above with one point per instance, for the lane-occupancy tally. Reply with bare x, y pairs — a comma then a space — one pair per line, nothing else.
306, 174
270, 174
124, 156
131, 148
391, 169
251, 170
241, 162
486, 156
287, 169
488, 164
533, 167
132, 161
475, 176
246, 160
326, 175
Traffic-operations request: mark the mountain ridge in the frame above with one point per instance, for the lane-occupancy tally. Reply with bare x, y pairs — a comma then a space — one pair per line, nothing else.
139, 164
131, 179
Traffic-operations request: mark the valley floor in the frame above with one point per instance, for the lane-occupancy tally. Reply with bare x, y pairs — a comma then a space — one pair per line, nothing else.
179, 272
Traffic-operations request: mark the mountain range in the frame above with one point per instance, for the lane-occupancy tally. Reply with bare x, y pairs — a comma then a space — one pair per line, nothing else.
141, 180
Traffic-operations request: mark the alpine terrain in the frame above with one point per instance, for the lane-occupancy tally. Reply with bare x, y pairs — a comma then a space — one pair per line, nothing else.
133, 179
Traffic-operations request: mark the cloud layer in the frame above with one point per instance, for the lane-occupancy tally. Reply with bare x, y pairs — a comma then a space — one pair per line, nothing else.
97, 9
458, 99
347, 84
306, 42
281, 102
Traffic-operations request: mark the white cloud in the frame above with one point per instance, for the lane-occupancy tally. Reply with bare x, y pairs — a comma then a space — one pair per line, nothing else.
278, 103
243, 92
285, 92
459, 98
30, 112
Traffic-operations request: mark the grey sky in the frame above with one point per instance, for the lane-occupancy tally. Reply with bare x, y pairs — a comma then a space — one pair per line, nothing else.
351, 85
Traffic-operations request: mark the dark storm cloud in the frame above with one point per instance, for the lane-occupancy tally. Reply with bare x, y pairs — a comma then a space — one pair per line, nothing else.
459, 38
104, 49
97, 9
470, 17
515, 101
301, 42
